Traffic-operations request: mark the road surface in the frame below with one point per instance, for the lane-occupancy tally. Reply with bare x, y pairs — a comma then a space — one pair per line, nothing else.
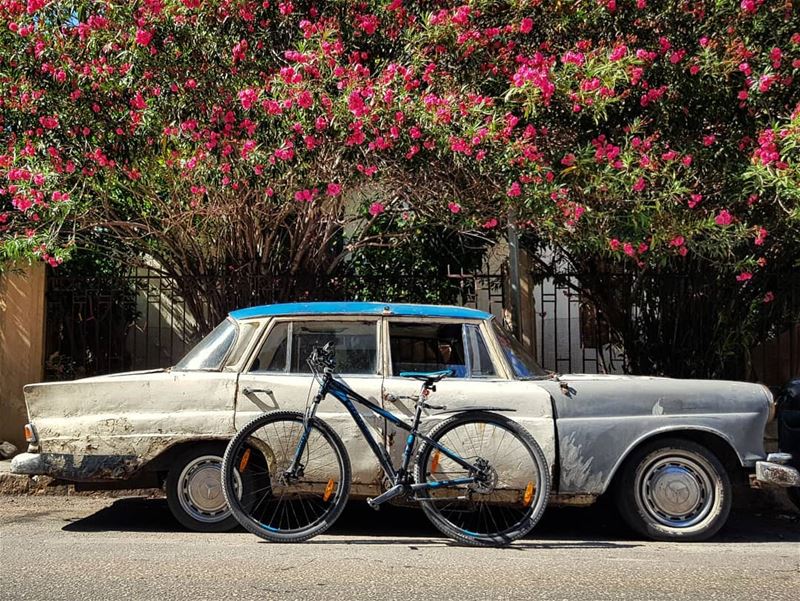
84, 548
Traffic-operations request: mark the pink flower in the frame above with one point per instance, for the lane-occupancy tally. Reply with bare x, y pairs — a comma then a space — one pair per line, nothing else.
769, 297
334, 189
526, 25
49, 122
143, 37
138, 101
490, 224
305, 195
639, 185
709, 140
761, 236
247, 148
614, 244
568, 160
618, 52
627, 248
376, 209
694, 200
744, 276
723, 218
751, 6
368, 23
677, 241
454, 207
305, 99
514, 190
248, 97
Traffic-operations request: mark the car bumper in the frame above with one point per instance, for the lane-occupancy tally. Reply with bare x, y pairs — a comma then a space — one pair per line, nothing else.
776, 472
87, 468
28, 464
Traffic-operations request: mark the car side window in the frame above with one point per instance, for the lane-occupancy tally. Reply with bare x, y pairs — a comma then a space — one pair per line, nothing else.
480, 362
273, 357
427, 347
289, 344
355, 342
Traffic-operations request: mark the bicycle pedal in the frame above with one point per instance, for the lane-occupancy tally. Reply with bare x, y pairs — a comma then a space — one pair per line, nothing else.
375, 506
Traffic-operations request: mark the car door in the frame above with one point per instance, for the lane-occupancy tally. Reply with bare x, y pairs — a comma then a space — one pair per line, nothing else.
480, 377
278, 377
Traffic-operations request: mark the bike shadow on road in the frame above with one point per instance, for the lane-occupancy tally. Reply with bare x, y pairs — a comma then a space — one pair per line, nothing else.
598, 526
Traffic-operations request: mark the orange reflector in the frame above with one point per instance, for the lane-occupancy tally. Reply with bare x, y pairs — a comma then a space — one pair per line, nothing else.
328, 490
29, 435
435, 460
245, 459
528, 496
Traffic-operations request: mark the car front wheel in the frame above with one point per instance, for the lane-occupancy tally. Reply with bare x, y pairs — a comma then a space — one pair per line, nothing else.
194, 489
674, 490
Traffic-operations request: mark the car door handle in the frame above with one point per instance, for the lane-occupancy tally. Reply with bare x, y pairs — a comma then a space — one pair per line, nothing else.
247, 391
393, 398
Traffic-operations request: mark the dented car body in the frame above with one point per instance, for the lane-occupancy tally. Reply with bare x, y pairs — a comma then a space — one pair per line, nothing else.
669, 449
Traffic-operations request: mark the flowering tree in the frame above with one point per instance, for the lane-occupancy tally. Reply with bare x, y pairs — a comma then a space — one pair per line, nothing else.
263, 137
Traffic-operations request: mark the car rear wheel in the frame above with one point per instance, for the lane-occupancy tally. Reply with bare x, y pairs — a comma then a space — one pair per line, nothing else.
194, 489
674, 490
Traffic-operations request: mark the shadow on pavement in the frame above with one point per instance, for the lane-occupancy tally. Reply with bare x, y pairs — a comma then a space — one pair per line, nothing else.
593, 527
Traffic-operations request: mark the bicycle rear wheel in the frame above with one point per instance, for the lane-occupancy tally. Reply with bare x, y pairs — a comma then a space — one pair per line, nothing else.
511, 496
273, 504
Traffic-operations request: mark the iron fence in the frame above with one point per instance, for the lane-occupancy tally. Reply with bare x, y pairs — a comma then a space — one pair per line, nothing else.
136, 321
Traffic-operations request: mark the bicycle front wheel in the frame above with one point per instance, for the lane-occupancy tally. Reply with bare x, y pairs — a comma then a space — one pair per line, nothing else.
269, 501
512, 479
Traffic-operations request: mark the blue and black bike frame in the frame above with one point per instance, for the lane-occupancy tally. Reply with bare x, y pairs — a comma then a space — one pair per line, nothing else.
400, 478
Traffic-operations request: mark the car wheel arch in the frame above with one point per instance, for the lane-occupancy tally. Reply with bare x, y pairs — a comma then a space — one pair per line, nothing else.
161, 463
714, 440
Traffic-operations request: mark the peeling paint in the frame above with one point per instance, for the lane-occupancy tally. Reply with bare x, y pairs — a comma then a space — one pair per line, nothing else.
576, 469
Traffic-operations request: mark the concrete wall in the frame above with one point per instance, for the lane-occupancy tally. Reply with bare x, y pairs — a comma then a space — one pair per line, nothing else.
21, 345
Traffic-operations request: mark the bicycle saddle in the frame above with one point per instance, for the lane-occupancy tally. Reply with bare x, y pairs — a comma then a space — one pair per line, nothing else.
427, 376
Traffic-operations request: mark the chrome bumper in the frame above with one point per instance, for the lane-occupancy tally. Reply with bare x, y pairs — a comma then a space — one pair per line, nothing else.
775, 471
30, 464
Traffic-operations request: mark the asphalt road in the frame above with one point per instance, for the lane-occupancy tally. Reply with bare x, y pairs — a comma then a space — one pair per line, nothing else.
80, 548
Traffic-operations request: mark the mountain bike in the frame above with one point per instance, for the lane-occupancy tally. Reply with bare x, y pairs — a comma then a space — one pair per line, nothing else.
480, 477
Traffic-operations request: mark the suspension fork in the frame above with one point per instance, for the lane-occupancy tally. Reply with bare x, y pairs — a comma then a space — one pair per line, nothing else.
311, 411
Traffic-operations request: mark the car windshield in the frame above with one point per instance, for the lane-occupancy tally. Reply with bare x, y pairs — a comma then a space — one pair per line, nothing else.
209, 354
523, 364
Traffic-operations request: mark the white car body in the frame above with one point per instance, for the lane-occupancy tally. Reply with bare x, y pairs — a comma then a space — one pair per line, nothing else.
130, 429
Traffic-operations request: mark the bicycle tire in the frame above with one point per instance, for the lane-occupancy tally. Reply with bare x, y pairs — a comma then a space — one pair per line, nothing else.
268, 506
493, 513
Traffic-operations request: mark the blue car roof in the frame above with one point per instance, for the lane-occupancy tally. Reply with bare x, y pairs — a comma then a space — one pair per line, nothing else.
359, 308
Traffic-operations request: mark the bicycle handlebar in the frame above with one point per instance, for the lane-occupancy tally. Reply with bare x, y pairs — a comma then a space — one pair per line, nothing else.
323, 357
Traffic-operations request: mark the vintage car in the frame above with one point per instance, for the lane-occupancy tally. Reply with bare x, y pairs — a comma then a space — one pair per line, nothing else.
670, 451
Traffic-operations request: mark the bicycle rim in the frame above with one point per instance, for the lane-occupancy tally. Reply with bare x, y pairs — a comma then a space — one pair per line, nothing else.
506, 504
274, 504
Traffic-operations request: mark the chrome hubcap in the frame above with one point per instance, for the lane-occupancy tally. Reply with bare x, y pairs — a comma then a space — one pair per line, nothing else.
200, 489
676, 491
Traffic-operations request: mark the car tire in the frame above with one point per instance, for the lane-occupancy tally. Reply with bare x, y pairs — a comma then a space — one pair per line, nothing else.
194, 493
674, 490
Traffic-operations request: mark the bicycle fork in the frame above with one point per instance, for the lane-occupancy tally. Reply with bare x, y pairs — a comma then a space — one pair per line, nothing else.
295, 469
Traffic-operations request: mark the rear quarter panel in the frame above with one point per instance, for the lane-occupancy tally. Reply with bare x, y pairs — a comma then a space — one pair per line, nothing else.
129, 415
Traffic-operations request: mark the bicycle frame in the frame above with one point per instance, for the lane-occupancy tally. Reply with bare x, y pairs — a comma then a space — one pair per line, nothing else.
348, 397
